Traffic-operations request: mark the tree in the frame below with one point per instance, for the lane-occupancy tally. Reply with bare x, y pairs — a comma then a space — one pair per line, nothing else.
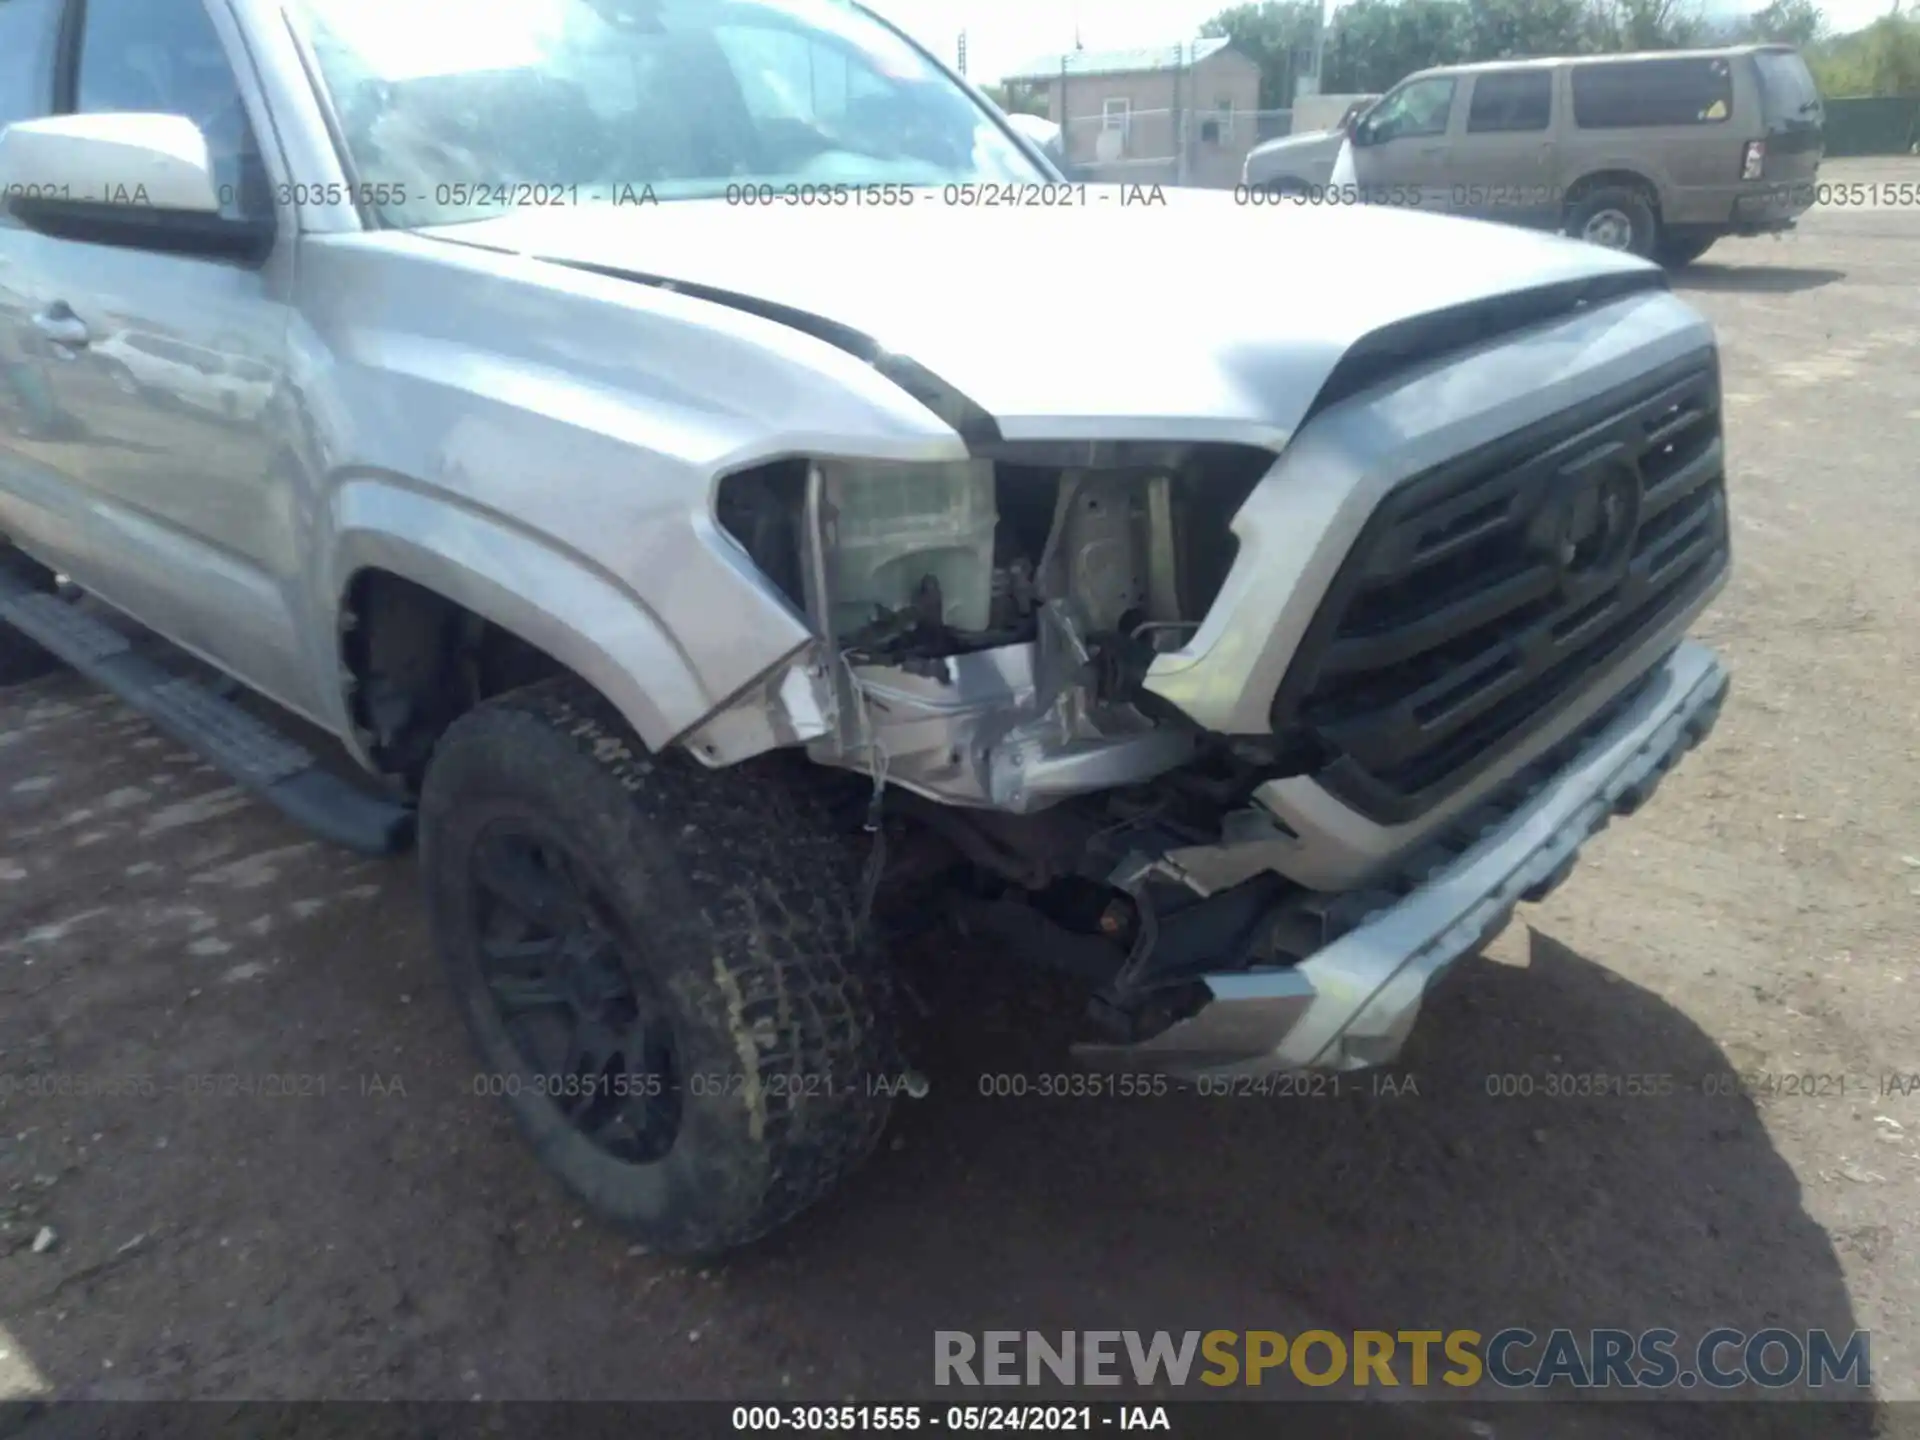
1787, 22
1643, 24
1376, 43
1510, 29
1883, 59
1373, 44
1893, 56
1271, 34
1018, 99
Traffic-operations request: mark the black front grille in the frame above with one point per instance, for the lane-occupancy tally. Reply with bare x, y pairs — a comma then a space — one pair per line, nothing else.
1482, 596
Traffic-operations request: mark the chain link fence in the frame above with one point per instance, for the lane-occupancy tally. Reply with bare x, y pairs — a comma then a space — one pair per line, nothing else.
1873, 125
1173, 146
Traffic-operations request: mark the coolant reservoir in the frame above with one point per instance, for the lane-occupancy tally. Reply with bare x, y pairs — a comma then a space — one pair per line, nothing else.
897, 524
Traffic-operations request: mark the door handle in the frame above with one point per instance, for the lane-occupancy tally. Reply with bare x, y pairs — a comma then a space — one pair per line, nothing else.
61, 326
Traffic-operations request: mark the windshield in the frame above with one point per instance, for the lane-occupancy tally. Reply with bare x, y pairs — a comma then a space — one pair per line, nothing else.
1786, 86
454, 111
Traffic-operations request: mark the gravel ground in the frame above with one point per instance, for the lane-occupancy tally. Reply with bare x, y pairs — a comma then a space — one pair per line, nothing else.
390, 1238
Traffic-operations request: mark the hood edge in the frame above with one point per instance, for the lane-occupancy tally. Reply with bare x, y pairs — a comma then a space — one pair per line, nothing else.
976, 426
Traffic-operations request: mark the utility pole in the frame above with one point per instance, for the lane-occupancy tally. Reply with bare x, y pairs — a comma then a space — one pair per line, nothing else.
963, 52
1066, 130
1320, 13
1180, 98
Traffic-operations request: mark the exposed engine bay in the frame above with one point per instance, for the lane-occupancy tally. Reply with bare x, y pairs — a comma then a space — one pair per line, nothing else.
991, 623
993, 638
992, 620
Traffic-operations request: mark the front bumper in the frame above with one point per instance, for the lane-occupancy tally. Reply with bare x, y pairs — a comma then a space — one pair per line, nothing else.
1353, 1003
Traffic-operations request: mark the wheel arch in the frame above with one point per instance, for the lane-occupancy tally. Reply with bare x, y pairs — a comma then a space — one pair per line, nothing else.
401, 556
1624, 176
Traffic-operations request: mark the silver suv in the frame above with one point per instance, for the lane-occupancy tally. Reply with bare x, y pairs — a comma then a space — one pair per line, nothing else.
1657, 154
658, 491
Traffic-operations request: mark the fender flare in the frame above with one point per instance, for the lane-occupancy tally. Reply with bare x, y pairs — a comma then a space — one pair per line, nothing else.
575, 612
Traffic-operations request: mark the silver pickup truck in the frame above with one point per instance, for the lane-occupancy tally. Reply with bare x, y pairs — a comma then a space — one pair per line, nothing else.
640, 432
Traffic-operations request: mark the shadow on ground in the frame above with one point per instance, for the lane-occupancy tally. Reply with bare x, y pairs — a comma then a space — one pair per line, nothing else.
1454, 1207
1755, 279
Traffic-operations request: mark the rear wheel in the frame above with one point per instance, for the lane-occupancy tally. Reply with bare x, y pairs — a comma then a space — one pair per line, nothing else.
660, 966
1615, 217
20, 659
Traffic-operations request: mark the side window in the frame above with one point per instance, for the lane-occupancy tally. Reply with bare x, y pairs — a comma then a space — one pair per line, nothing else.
1690, 91
1419, 108
165, 56
1511, 100
27, 31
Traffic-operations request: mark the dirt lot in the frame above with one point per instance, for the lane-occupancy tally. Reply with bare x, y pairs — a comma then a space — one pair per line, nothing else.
391, 1239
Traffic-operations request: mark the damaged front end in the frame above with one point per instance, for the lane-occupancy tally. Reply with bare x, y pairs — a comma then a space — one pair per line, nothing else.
1257, 746
985, 630
985, 624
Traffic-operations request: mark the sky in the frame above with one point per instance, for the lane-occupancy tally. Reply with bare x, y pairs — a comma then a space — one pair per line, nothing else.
1003, 35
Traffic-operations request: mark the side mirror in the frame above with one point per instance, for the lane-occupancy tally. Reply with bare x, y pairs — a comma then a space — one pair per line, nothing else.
156, 162
122, 179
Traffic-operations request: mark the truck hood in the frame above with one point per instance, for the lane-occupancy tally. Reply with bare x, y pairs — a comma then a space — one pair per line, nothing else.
1311, 142
1140, 314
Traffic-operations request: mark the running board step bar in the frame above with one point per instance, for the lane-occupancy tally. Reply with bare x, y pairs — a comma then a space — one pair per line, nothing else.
256, 756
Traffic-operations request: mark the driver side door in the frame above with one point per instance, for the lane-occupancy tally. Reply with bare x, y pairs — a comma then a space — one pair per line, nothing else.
1400, 149
169, 498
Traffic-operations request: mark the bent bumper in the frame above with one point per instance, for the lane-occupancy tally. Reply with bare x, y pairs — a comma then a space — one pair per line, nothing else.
1353, 1003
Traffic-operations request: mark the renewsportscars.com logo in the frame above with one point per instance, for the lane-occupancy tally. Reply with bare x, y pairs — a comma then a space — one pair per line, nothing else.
1513, 1359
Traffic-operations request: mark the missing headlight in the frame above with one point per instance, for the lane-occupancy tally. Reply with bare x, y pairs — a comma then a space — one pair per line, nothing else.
916, 561
912, 539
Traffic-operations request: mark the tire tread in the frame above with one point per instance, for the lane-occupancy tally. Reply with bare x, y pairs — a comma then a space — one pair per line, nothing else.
769, 895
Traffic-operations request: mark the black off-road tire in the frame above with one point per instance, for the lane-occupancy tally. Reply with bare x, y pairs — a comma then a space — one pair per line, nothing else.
20, 659
1625, 201
741, 901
